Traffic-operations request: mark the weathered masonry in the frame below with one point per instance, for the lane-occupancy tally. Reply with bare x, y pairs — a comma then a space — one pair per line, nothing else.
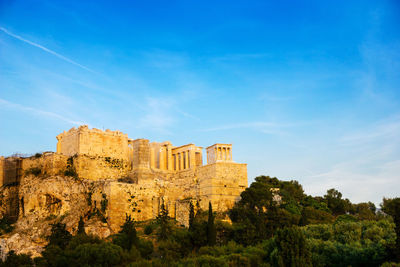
153, 172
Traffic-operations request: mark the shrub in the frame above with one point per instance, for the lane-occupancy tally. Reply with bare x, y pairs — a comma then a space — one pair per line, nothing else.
390, 264
17, 260
36, 171
6, 225
127, 180
145, 248
101, 254
204, 260
59, 235
148, 229
70, 172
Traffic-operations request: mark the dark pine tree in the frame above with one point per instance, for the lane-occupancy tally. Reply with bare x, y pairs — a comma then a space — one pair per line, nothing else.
191, 216
81, 227
59, 236
211, 231
128, 233
392, 207
163, 221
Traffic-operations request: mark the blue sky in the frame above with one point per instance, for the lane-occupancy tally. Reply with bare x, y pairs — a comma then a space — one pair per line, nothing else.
305, 90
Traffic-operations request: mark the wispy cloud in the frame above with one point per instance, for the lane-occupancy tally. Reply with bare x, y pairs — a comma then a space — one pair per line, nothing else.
369, 163
46, 50
356, 184
39, 112
386, 130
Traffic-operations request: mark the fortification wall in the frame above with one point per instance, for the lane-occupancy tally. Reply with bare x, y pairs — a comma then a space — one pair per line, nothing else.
151, 174
49, 163
98, 168
93, 142
221, 183
68, 142
107, 143
9, 201
11, 170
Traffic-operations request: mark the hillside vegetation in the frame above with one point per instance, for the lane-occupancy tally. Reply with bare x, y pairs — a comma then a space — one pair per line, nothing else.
274, 224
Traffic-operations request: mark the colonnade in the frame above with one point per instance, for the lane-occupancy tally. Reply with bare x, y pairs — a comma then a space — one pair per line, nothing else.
223, 153
218, 153
182, 160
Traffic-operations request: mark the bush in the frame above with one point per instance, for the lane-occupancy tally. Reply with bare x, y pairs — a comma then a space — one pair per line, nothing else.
102, 254
148, 229
59, 236
390, 264
6, 225
145, 248
17, 260
169, 250
204, 260
36, 171
70, 172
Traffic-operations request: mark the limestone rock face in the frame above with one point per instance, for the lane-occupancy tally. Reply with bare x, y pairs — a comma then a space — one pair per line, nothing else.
50, 197
46, 200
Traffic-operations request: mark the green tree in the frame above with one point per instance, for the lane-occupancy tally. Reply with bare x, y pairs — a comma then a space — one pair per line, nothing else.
59, 236
127, 237
310, 215
268, 204
211, 232
292, 249
249, 215
191, 215
392, 207
364, 211
335, 202
163, 220
198, 232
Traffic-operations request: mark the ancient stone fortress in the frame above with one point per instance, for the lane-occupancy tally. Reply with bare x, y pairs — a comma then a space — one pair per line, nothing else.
119, 176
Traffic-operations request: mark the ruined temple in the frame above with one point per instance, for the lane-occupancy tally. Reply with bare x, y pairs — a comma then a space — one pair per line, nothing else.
112, 168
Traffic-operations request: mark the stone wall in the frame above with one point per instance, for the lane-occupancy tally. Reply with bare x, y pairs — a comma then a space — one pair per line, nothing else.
11, 170
221, 183
93, 142
9, 201
141, 153
99, 168
49, 163
124, 171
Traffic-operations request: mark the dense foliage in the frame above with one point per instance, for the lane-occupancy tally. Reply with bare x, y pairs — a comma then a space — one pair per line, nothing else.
274, 224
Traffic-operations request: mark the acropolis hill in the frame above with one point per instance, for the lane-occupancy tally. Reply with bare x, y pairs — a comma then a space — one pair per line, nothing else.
104, 175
